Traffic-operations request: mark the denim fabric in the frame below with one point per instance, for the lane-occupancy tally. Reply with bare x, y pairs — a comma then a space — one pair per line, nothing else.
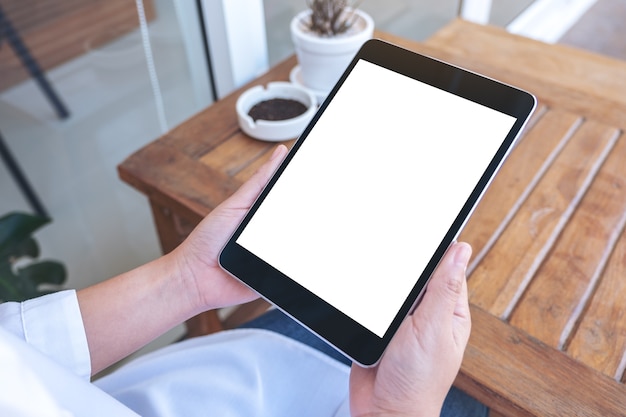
457, 403
279, 322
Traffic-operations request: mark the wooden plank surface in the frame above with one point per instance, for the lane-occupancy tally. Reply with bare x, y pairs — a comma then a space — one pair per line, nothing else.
519, 376
564, 285
600, 340
235, 155
584, 83
497, 283
173, 179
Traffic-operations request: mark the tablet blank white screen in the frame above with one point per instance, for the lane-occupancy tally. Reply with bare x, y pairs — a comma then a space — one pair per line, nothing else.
363, 205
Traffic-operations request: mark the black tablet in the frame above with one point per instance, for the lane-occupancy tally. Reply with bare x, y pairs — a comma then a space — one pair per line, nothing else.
349, 229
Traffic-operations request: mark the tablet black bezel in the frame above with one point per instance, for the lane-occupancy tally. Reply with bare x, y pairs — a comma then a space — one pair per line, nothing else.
339, 330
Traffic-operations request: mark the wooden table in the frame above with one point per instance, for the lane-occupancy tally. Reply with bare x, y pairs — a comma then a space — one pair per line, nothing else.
548, 277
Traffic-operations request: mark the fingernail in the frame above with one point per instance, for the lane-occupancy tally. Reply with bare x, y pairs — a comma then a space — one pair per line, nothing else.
277, 152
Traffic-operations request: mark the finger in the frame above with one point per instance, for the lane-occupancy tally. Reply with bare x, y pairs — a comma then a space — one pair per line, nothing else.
246, 194
447, 283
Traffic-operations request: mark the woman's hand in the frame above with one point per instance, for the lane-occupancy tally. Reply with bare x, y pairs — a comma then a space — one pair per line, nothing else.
421, 362
197, 256
125, 312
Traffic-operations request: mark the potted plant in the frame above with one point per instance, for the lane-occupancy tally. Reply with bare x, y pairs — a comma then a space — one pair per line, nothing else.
19, 278
326, 37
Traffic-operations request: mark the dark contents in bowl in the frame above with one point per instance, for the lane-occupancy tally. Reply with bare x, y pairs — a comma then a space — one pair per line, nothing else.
277, 109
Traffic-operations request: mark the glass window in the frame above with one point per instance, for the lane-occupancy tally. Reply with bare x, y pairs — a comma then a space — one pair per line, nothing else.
93, 56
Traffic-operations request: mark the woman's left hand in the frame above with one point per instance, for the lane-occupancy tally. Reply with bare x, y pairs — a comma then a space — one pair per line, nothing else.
197, 256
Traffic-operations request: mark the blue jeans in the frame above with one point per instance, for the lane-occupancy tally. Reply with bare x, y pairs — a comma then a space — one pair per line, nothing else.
457, 403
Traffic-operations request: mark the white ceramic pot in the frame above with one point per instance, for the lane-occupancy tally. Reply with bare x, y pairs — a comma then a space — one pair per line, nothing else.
322, 60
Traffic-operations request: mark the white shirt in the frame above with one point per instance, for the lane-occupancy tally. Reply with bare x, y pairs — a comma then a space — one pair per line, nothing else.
44, 363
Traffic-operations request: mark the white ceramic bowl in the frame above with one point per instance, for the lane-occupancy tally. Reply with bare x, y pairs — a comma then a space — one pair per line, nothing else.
275, 130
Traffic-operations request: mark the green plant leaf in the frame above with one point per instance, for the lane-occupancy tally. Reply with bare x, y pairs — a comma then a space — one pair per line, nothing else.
44, 272
34, 279
27, 247
15, 228
9, 283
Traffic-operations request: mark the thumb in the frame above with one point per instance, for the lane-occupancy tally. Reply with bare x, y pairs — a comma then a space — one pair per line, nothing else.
249, 190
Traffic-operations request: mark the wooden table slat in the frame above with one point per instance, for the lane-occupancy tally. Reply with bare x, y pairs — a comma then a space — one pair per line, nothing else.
600, 340
563, 286
526, 241
519, 376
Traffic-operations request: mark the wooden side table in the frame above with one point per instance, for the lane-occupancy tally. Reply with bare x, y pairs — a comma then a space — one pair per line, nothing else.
547, 280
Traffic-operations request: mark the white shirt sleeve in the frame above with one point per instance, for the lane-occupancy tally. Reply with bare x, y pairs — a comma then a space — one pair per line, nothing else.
33, 385
53, 325
237, 372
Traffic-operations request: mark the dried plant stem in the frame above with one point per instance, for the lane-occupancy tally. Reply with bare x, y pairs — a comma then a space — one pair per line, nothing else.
331, 17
